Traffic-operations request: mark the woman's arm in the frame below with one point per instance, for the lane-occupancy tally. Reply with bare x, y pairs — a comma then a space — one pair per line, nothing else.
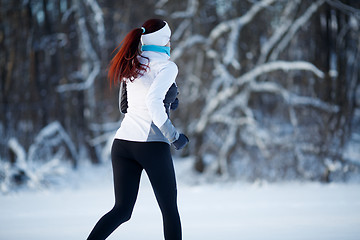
154, 100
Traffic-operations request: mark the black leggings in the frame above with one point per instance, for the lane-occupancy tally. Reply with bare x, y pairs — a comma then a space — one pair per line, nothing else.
128, 161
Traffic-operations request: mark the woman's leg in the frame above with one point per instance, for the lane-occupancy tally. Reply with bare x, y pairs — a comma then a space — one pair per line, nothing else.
127, 173
156, 159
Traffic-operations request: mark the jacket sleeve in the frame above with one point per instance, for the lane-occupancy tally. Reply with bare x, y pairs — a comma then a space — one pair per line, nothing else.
123, 103
154, 100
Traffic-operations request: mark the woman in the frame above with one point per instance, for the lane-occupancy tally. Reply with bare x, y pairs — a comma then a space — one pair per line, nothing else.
143, 140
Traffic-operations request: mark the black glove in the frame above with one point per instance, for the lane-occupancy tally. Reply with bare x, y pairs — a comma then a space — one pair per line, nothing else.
170, 97
174, 104
181, 141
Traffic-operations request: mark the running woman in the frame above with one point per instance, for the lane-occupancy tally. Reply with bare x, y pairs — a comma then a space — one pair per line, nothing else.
148, 91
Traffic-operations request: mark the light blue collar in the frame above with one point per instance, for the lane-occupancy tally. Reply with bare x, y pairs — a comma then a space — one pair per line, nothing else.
155, 48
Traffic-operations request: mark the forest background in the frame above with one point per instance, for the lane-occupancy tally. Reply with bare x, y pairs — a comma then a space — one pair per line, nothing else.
269, 89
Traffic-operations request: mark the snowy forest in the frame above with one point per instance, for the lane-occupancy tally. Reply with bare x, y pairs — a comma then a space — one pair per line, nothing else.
269, 89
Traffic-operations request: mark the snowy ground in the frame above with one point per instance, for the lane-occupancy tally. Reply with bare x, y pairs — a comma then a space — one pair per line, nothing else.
231, 211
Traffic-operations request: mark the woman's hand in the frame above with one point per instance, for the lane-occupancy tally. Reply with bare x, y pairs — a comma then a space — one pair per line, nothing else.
181, 142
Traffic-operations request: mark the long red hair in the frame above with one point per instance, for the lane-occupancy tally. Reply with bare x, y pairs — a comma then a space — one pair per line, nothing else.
126, 64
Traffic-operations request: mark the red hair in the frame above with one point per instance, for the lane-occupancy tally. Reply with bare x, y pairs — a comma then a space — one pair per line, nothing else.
126, 64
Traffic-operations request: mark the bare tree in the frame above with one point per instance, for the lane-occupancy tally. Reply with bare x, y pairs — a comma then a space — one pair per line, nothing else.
269, 88
262, 112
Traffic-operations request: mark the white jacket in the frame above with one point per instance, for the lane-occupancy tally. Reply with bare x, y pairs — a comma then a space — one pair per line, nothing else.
146, 119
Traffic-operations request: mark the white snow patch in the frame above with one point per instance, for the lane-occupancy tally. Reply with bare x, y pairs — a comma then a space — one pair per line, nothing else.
229, 211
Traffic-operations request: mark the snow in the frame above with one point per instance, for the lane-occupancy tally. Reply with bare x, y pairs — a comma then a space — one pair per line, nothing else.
217, 211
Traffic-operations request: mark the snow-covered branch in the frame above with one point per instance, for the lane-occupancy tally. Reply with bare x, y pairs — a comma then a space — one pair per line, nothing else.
279, 65
83, 85
293, 99
161, 3
99, 20
345, 8
229, 142
179, 50
45, 137
91, 64
235, 26
285, 24
227, 25
179, 31
227, 93
294, 28
311, 102
18, 150
192, 7
42, 162
228, 120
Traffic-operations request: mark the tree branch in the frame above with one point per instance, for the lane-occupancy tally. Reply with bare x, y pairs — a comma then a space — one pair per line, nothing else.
295, 27
227, 93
